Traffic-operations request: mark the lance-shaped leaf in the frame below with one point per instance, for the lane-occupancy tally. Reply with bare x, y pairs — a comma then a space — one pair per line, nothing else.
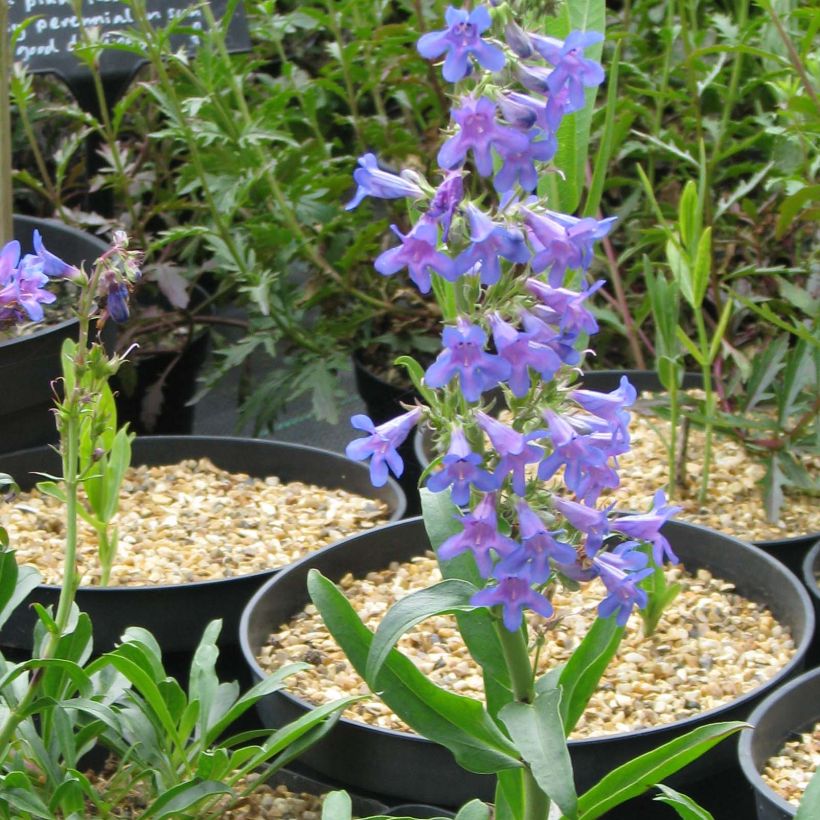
638, 775
460, 724
537, 730
448, 597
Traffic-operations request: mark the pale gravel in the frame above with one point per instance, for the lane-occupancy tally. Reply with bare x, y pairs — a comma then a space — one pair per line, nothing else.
190, 522
711, 646
790, 771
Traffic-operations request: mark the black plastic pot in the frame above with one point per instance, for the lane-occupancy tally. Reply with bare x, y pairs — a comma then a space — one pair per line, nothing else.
383, 401
811, 578
789, 710
789, 551
409, 767
30, 363
176, 614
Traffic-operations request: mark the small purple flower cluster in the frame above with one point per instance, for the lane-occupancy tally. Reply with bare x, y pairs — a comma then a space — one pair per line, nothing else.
522, 319
22, 281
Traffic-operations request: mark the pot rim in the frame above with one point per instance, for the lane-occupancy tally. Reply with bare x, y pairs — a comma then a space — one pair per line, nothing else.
242, 441
811, 563
775, 567
45, 330
746, 735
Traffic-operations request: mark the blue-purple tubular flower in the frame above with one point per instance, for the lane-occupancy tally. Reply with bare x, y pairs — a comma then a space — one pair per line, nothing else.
480, 536
571, 70
513, 594
611, 407
460, 40
418, 254
538, 546
524, 351
514, 450
53, 266
564, 307
464, 356
592, 522
489, 241
447, 198
21, 286
647, 527
382, 443
519, 165
622, 570
479, 132
372, 181
461, 470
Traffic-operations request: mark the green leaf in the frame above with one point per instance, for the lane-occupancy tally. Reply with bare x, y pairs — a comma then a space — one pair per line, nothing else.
51, 488
702, 268
537, 730
689, 218
765, 368
686, 808
720, 330
679, 266
638, 775
791, 207
16, 583
809, 808
474, 810
509, 795
449, 596
416, 373
337, 806
183, 797
691, 347
460, 724
580, 676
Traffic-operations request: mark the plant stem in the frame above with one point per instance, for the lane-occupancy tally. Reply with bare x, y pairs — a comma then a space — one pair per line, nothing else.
6, 201
674, 416
517, 658
709, 406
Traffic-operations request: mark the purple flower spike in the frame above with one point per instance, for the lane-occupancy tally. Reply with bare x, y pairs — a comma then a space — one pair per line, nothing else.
480, 535
647, 527
446, 200
464, 355
514, 595
489, 242
382, 444
460, 469
514, 449
523, 350
518, 40
594, 523
461, 39
479, 132
372, 181
418, 254
538, 546
572, 70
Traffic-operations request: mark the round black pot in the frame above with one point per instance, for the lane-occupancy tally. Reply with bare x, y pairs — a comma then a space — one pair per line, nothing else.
30, 363
409, 767
811, 578
790, 709
383, 401
176, 614
789, 551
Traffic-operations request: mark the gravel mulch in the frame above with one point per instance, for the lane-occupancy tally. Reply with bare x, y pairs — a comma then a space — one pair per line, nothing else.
789, 771
193, 522
711, 646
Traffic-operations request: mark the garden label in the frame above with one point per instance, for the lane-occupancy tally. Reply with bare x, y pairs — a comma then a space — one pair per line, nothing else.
45, 44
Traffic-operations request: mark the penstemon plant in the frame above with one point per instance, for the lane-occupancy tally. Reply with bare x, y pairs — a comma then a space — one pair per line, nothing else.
509, 274
172, 751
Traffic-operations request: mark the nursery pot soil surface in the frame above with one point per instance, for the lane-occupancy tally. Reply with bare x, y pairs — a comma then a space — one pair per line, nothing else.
177, 614
30, 362
790, 550
407, 766
787, 711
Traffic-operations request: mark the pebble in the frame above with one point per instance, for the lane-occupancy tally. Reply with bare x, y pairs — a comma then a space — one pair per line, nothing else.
789, 771
742, 647
192, 521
